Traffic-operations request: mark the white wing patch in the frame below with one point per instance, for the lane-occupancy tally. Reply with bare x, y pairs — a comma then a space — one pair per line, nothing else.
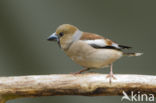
98, 42
115, 45
101, 43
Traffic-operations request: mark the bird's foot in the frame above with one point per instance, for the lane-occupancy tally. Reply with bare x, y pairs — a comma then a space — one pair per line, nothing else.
110, 76
76, 73
83, 70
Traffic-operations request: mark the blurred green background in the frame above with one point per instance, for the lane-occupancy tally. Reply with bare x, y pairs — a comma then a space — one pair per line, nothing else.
26, 24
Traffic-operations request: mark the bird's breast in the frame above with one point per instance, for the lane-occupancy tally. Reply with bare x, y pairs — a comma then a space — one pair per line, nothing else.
89, 57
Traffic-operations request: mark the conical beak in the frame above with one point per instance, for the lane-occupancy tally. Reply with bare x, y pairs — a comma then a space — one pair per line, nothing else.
53, 37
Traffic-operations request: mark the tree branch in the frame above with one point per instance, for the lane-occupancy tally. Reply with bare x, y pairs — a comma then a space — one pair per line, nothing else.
80, 84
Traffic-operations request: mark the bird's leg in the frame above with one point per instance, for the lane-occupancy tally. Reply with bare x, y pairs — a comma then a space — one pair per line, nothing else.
83, 70
111, 75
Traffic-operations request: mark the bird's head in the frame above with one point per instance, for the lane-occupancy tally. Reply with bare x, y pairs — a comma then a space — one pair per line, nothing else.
64, 35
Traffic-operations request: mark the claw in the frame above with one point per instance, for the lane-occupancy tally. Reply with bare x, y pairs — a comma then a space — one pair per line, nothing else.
111, 76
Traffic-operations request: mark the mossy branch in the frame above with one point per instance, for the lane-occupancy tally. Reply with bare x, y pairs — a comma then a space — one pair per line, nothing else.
68, 84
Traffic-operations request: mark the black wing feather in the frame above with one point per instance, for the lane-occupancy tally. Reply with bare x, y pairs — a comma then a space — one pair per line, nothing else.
125, 47
104, 47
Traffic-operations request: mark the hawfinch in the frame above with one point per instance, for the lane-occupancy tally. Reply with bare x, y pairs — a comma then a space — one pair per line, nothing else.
89, 50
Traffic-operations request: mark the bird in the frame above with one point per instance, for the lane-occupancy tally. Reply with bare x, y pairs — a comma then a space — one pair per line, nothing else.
89, 50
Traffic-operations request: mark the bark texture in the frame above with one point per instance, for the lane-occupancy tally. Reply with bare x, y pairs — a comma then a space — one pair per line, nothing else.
90, 84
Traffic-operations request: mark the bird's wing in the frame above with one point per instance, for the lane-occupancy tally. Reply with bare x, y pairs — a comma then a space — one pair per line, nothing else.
98, 41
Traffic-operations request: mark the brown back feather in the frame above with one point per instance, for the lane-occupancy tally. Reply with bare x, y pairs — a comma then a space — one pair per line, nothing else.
90, 36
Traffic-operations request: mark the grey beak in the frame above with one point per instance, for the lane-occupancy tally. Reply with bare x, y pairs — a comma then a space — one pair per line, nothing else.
53, 37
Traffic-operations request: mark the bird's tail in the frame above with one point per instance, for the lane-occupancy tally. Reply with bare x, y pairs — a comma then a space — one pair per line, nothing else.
133, 54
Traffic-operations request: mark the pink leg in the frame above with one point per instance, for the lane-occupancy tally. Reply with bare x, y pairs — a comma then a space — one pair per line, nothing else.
111, 75
83, 70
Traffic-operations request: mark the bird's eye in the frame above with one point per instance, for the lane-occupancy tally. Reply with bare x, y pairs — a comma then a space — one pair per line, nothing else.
61, 34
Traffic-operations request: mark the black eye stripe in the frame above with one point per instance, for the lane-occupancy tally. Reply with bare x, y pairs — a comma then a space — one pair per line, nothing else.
61, 34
